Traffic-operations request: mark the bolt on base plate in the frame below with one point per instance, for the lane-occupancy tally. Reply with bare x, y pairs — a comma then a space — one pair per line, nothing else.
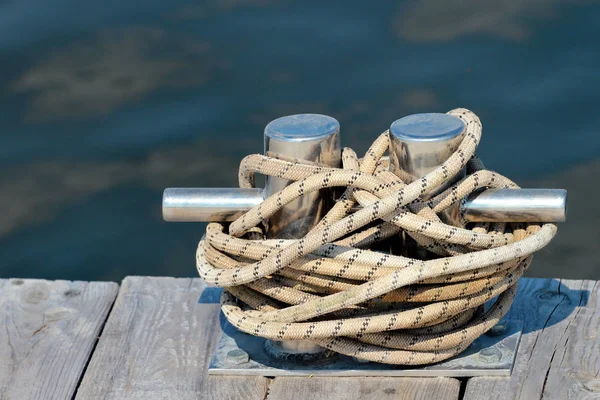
238, 353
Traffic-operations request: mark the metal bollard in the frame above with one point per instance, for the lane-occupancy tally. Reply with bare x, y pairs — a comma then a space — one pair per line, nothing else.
309, 138
418, 145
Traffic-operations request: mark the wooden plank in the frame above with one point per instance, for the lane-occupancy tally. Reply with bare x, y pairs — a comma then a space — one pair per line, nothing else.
593, 300
157, 344
547, 308
575, 369
303, 388
48, 330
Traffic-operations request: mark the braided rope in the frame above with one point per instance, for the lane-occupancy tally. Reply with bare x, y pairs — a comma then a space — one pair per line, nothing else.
328, 287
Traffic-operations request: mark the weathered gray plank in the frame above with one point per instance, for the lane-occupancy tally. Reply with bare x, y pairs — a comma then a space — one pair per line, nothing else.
575, 369
548, 308
302, 388
157, 344
594, 296
47, 332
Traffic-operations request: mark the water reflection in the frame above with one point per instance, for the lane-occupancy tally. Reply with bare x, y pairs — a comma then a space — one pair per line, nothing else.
441, 20
38, 192
574, 251
211, 8
117, 67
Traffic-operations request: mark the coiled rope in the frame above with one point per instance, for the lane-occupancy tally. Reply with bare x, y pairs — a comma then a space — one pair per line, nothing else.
328, 287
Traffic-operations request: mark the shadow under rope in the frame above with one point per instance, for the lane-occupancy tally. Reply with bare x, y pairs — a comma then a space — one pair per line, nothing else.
541, 303
211, 295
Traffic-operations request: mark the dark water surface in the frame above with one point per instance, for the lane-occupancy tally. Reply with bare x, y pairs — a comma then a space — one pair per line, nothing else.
104, 104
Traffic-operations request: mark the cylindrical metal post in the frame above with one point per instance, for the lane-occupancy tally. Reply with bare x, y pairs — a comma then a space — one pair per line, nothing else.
492, 205
420, 143
306, 138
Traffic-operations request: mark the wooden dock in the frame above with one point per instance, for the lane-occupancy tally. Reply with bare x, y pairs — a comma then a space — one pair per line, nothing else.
152, 338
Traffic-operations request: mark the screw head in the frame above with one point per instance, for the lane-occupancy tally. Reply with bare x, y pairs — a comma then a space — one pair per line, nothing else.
499, 329
237, 357
490, 355
546, 295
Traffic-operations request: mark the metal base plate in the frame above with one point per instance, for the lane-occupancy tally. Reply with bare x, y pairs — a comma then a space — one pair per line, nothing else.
489, 355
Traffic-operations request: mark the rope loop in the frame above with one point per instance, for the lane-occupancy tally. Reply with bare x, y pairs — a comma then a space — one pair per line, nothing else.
332, 288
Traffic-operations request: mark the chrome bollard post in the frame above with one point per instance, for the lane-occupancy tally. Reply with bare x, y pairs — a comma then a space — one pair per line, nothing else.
307, 138
420, 143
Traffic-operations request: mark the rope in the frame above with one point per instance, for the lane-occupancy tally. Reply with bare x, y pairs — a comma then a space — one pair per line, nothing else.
329, 288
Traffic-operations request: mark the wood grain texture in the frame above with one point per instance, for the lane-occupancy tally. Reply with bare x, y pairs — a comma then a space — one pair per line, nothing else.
549, 310
593, 300
47, 332
304, 388
575, 369
157, 344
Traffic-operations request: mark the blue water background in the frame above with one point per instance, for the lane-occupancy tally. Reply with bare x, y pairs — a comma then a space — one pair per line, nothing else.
104, 104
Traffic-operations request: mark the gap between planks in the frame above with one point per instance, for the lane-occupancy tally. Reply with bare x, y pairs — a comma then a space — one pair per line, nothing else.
160, 337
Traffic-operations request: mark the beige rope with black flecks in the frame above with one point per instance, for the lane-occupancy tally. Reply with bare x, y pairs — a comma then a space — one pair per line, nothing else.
328, 287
